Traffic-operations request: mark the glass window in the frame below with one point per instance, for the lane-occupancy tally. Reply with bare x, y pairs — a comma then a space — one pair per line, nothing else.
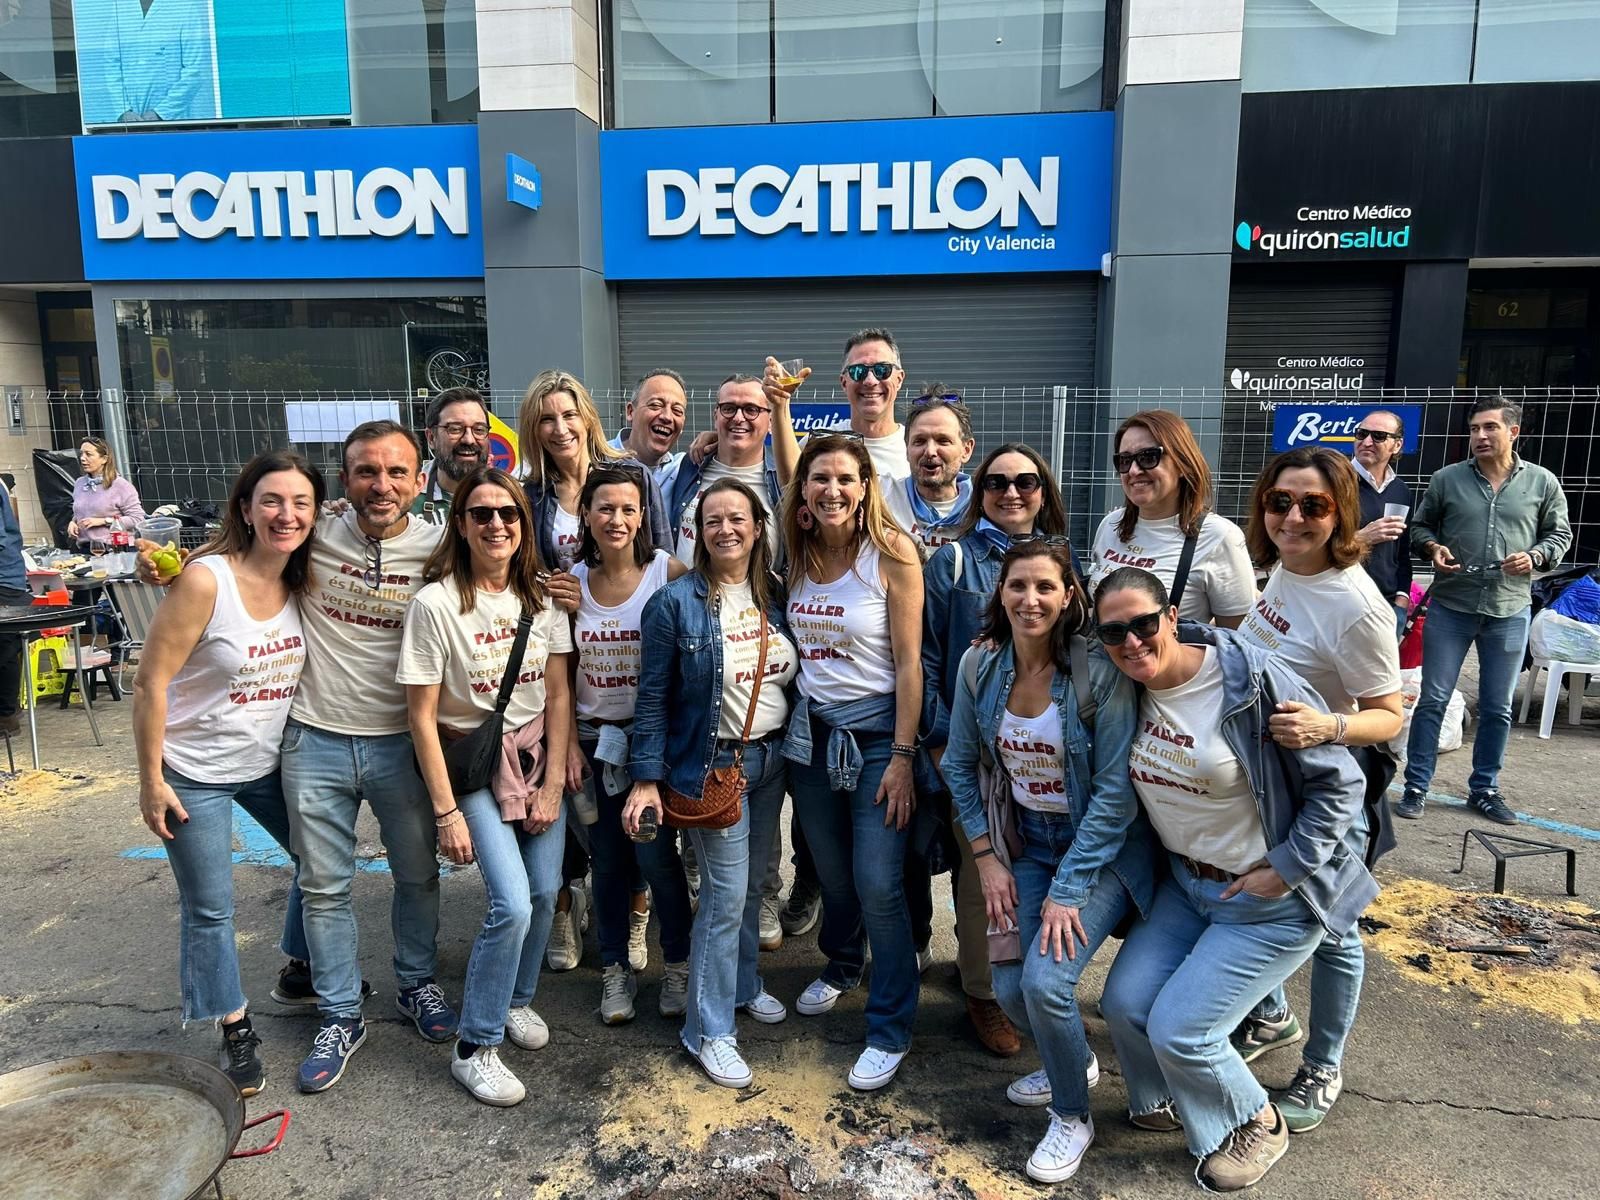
413, 63
38, 70
691, 62
1297, 45
1537, 39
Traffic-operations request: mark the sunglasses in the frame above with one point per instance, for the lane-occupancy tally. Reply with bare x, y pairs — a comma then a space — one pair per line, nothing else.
728, 410
1114, 633
1041, 539
880, 371
1378, 436
950, 398
1146, 458
1026, 483
1313, 505
482, 514
373, 554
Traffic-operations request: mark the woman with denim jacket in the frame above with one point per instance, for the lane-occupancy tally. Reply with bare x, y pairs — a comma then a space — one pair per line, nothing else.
855, 605
1086, 852
702, 648
1264, 863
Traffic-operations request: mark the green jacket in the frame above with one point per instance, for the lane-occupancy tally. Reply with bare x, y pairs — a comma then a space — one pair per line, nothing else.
1482, 527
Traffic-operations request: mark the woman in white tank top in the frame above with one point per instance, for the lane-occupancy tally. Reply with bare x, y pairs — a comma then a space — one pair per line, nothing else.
855, 606
219, 668
617, 571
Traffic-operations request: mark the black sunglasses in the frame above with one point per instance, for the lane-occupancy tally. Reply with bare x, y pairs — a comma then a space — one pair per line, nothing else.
373, 553
1379, 436
1041, 539
950, 398
1147, 459
482, 514
1026, 483
880, 371
1114, 633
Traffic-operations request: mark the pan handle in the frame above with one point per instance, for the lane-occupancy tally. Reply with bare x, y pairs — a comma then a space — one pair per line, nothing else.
277, 1140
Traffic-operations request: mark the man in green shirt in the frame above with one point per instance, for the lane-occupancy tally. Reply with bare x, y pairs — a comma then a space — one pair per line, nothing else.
458, 435
1487, 524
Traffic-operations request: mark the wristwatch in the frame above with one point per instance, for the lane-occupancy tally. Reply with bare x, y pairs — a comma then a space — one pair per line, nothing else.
1539, 560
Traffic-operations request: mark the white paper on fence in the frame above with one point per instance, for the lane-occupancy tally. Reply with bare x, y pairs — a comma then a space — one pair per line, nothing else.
1557, 638
331, 420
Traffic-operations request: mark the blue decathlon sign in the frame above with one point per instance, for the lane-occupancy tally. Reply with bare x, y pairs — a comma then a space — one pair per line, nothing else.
281, 204
1334, 425
522, 182
941, 196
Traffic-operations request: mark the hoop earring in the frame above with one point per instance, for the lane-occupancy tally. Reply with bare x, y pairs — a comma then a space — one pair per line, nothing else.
804, 519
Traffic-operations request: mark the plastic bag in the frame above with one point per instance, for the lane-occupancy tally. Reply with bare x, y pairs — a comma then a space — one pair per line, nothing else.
1557, 638
1451, 729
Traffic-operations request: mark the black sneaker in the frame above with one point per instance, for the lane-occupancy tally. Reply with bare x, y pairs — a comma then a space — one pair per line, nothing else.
1489, 803
802, 909
241, 1060
294, 986
1410, 804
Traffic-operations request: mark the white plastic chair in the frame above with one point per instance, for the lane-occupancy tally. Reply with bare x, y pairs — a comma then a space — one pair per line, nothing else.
1555, 671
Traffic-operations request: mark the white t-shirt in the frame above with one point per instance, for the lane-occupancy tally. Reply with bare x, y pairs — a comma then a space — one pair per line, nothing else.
352, 629
607, 642
754, 477
1333, 629
1030, 751
467, 653
898, 500
1192, 786
888, 453
842, 631
741, 651
1222, 583
565, 534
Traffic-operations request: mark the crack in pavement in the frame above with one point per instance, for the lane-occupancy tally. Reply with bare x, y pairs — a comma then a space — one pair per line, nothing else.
1474, 1108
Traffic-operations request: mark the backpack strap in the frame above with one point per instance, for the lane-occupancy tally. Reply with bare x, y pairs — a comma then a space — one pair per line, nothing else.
1180, 578
955, 570
1078, 648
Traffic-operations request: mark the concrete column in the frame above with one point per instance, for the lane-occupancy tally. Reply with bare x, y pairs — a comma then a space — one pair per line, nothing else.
22, 366
1433, 308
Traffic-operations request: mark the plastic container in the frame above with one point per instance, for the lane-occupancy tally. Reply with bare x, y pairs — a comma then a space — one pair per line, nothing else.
161, 530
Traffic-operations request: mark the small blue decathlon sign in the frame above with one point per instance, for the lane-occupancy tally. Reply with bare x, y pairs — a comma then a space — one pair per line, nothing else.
522, 182
1334, 425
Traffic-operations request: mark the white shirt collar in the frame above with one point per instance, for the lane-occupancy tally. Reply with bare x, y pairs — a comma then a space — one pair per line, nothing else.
1362, 471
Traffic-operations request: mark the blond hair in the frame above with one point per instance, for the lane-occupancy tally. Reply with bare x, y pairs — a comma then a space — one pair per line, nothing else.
544, 385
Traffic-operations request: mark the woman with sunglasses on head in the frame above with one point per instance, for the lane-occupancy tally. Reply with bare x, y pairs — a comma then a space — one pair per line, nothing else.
718, 658
483, 593
1086, 855
1014, 496
1321, 615
1264, 857
1167, 483
618, 572
855, 605
221, 665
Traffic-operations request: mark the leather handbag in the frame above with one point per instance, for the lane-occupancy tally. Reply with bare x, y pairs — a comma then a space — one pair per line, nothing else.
718, 804
471, 760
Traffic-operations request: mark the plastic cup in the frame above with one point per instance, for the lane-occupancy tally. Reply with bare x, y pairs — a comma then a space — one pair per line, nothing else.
789, 372
1396, 510
161, 530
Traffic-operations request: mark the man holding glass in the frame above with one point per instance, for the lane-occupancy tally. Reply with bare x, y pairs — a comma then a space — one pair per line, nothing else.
870, 376
457, 424
1385, 504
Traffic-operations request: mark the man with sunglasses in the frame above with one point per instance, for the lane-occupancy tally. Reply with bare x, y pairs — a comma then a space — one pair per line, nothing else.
1487, 523
930, 503
741, 419
457, 424
1379, 439
655, 419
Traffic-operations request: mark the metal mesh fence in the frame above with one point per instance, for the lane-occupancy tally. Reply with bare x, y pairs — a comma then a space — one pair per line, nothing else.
187, 446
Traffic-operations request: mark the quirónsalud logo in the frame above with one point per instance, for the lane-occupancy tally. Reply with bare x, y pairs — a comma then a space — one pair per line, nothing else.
1373, 236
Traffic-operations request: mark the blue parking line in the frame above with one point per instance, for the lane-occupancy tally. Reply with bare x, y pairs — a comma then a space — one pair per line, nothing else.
259, 848
1579, 831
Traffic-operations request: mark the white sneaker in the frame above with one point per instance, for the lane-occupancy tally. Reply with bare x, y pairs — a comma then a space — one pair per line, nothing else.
674, 1001
766, 1008
638, 943
1059, 1152
1093, 1073
527, 1029
565, 950
1033, 1091
818, 998
875, 1068
487, 1078
691, 877
771, 927
617, 989
723, 1063
924, 959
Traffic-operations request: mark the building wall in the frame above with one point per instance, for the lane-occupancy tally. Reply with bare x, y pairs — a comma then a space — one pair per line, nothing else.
22, 365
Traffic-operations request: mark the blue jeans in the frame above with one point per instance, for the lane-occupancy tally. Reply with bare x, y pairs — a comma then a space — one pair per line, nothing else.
616, 860
1185, 978
1337, 970
725, 945
1445, 638
326, 776
1039, 994
861, 866
522, 874
201, 856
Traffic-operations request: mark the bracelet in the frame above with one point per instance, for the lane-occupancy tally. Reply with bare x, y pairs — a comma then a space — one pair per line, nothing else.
905, 749
440, 818
977, 854
1341, 726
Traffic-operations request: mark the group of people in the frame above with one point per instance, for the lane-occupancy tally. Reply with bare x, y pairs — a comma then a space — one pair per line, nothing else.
668, 645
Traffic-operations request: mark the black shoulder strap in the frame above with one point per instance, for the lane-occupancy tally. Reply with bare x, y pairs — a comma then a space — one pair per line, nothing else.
1180, 579
514, 663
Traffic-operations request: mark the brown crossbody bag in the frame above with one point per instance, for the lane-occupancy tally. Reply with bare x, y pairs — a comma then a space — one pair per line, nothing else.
718, 805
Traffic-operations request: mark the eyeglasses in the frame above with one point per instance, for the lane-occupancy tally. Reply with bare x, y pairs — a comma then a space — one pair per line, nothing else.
373, 575
950, 398
1026, 483
457, 429
1147, 459
728, 410
1114, 633
482, 514
1041, 539
1313, 505
880, 371
1378, 436
1481, 568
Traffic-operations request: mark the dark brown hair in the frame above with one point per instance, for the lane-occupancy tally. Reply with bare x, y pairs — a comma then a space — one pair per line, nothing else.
1344, 548
372, 431
1133, 579
237, 536
1172, 433
452, 558
760, 577
1052, 518
608, 476
1074, 618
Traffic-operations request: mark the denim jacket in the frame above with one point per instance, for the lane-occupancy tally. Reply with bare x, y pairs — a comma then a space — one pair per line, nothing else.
1109, 829
1312, 823
542, 499
679, 707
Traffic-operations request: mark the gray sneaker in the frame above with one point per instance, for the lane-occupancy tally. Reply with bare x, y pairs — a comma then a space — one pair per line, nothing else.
1255, 1036
617, 989
1309, 1097
771, 926
674, 1000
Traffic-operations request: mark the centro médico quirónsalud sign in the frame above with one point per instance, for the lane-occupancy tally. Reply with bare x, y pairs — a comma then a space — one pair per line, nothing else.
281, 204
944, 195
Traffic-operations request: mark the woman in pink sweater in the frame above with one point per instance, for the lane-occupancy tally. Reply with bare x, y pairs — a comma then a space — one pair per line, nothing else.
102, 501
